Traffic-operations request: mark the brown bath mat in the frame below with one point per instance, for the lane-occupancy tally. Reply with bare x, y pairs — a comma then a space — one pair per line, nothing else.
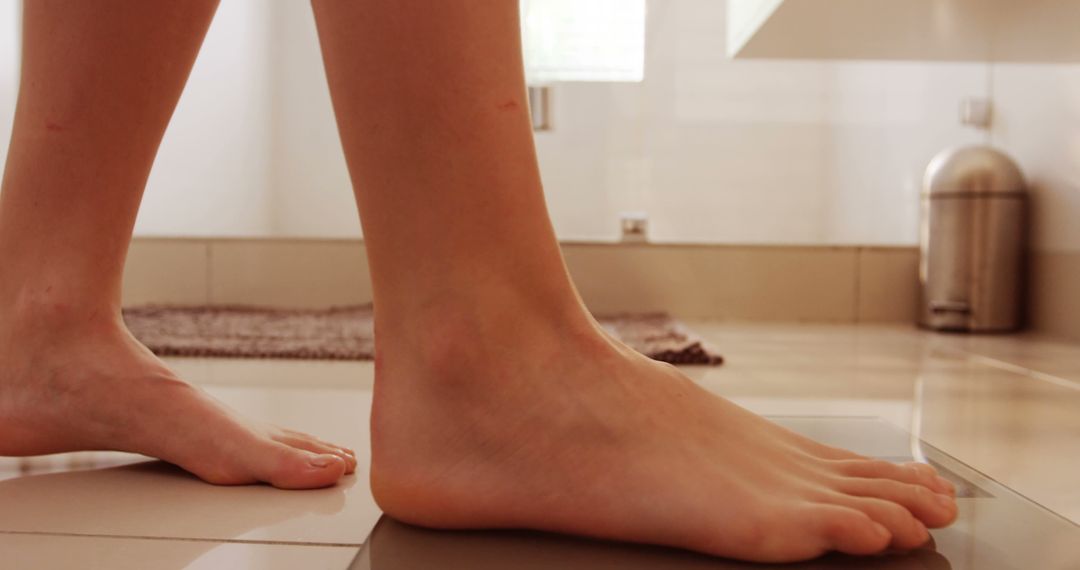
346, 333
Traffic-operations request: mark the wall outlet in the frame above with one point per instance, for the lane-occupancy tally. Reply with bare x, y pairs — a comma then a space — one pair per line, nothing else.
635, 226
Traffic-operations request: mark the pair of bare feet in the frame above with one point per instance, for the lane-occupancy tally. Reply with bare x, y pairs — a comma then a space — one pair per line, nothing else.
574, 434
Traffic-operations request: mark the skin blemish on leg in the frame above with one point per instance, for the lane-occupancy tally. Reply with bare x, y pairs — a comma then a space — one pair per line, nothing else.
55, 127
508, 105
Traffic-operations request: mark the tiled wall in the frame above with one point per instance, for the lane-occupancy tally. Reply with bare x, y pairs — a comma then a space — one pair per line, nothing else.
824, 284
1037, 120
1054, 306
772, 152
762, 152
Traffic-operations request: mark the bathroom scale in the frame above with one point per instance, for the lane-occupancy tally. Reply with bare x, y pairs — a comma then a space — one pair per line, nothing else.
997, 528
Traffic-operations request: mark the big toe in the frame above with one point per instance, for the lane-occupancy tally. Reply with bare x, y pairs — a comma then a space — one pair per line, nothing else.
287, 467
319, 447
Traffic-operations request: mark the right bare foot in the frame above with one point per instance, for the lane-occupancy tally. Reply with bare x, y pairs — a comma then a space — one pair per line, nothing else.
479, 423
73, 384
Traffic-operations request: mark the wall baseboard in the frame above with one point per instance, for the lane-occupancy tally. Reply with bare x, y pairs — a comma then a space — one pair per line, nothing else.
779, 283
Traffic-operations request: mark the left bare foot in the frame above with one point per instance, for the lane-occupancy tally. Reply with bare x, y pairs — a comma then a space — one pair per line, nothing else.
526, 425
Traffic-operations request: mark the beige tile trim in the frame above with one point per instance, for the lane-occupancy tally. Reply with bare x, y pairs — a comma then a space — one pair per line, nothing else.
780, 283
1054, 293
172, 271
888, 284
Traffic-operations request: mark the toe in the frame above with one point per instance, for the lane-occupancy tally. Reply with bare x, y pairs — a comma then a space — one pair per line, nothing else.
907, 532
287, 467
315, 445
849, 530
912, 473
935, 510
931, 478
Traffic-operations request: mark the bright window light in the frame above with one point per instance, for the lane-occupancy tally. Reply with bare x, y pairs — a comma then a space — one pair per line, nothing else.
583, 40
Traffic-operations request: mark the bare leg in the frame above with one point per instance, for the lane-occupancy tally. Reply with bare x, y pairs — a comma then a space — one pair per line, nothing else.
100, 81
499, 402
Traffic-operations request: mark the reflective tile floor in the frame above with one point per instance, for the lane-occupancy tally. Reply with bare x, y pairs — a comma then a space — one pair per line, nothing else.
1001, 415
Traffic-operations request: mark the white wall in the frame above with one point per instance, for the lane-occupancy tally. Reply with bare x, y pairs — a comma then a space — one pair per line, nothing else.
310, 188
9, 69
715, 151
213, 171
751, 151
1038, 122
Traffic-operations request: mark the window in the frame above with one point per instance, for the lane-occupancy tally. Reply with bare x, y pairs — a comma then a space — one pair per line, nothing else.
576, 40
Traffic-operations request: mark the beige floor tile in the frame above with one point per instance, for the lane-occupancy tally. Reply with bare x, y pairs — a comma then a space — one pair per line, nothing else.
50, 552
870, 348
988, 401
1023, 432
153, 499
1031, 351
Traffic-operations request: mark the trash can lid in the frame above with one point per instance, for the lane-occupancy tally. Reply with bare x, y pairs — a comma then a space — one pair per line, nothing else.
973, 170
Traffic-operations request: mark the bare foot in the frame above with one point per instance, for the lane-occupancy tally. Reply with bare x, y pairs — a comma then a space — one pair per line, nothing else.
69, 385
556, 430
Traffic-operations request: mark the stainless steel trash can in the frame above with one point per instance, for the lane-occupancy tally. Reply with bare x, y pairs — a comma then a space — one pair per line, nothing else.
972, 241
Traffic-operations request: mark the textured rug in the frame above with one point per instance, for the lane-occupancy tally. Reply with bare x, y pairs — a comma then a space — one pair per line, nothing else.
346, 333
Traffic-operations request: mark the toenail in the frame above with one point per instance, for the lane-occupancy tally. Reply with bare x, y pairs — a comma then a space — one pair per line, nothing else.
323, 461
945, 501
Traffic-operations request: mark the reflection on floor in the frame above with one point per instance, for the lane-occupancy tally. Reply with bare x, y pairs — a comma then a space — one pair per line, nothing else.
1007, 406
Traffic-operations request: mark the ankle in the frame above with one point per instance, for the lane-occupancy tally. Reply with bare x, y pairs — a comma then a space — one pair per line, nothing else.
472, 350
55, 307
456, 324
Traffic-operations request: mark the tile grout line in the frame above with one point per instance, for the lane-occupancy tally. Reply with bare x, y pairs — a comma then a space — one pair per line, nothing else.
183, 539
1021, 370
